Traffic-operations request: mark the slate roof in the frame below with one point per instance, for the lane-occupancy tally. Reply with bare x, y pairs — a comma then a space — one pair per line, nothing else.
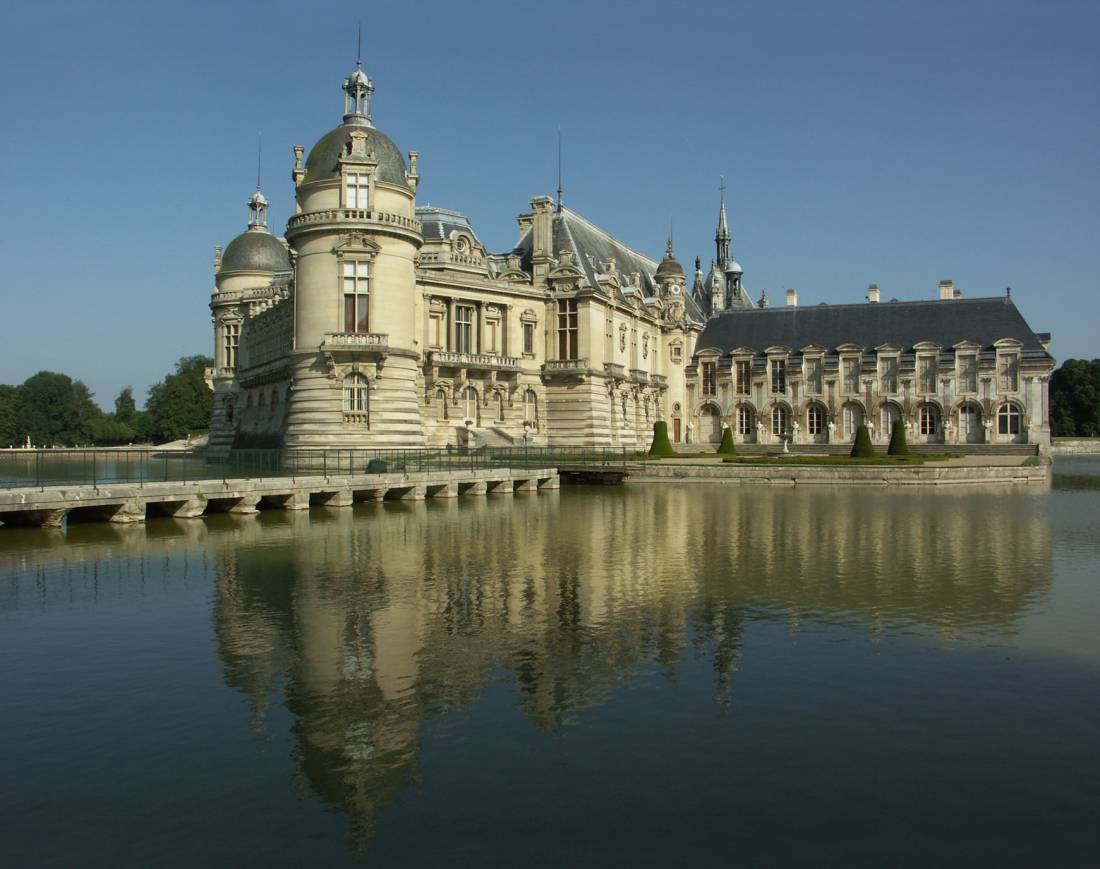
323, 162
255, 251
592, 248
942, 322
439, 223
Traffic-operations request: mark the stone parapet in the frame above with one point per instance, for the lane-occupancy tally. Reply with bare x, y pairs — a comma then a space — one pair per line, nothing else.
865, 475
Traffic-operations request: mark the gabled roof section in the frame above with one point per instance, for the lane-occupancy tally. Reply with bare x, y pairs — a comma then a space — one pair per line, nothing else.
905, 324
593, 248
439, 223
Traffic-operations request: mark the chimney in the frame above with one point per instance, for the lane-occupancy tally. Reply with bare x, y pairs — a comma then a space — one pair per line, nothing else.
542, 238
873, 294
792, 298
947, 290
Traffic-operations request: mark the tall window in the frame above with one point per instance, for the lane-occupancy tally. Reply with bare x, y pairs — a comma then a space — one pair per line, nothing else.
1008, 420
744, 420
779, 376
743, 376
929, 420
851, 376
710, 378
531, 408
927, 374
567, 328
815, 419
464, 329
499, 399
1008, 369
889, 367
814, 375
231, 337
469, 398
356, 187
888, 415
441, 404
356, 401
968, 373
492, 330
529, 339
780, 420
356, 300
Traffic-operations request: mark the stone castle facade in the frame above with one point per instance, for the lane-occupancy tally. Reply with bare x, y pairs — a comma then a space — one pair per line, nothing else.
379, 323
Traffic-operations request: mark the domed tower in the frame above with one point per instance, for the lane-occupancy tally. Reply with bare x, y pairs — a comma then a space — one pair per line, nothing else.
253, 260
355, 357
669, 276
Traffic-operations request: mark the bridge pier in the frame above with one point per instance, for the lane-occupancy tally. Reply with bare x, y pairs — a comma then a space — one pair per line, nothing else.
519, 486
339, 498
478, 488
192, 508
406, 493
549, 482
446, 490
498, 487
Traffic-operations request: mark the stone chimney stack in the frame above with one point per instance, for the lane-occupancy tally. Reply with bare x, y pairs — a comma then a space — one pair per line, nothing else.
873, 295
947, 290
792, 298
542, 239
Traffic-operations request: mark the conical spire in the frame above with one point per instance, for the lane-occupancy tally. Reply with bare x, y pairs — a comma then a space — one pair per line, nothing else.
257, 203
357, 91
722, 235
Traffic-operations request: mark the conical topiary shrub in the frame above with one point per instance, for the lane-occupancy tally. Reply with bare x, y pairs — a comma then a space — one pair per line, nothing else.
661, 446
726, 448
862, 448
899, 446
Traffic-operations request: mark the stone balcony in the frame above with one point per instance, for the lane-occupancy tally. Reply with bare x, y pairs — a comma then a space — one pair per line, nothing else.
357, 342
381, 221
553, 368
658, 380
615, 370
483, 361
639, 375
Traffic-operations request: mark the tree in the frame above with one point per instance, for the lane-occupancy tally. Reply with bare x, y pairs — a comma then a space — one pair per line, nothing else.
726, 448
899, 446
862, 448
1075, 399
125, 408
54, 409
181, 403
9, 415
661, 446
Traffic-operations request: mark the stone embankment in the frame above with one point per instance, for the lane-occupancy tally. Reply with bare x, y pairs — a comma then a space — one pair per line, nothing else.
866, 475
1075, 447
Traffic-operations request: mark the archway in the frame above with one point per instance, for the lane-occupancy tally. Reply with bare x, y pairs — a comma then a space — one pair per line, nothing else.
851, 415
746, 424
817, 423
710, 425
930, 424
888, 414
970, 424
1010, 424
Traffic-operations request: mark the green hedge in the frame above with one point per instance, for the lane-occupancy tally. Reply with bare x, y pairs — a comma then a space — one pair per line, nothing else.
661, 446
862, 448
899, 446
726, 448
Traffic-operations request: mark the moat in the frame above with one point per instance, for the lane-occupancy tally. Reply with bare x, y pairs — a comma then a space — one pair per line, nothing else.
649, 675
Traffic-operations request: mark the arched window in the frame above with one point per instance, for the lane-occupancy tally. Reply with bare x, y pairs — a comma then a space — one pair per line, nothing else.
780, 420
745, 422
929, 419
852, 415
441, 404
888, 414
500, 407
531, 408
469, 398
815, 419
1008, 419
356, 404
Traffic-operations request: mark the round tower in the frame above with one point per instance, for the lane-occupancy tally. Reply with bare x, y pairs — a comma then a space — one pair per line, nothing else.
355, 357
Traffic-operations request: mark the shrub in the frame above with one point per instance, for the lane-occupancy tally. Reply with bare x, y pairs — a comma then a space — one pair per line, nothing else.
862, 448
661, 446
899, 446
726, 448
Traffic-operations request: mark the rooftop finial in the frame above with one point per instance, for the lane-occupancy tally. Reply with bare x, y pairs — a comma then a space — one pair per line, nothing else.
560, 203
259, 157
357, 90
257, 204
359, 47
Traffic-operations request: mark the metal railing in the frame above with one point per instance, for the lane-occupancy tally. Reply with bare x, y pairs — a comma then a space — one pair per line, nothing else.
75, 467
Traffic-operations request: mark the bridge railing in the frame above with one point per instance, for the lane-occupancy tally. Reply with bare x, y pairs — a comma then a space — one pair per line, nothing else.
97, 467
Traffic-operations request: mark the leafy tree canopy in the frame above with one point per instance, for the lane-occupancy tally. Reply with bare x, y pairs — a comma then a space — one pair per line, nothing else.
181, 403
1075, 399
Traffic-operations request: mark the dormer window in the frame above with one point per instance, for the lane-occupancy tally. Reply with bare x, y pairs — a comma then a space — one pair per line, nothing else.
968, 373
1008, 372
779, 376
851, 376
888, 368
814, 368
710, 370
926, 368
356, 190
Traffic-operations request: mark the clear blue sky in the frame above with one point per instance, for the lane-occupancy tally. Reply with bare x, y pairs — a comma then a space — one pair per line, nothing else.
894, 142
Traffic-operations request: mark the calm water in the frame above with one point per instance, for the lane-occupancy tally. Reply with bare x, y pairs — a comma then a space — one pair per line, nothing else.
647, 676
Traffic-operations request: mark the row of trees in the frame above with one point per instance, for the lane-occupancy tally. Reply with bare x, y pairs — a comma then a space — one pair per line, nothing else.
1075, 399
52, 409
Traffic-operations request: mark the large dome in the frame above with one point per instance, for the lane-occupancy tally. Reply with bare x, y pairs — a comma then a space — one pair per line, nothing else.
255, 251
323, 164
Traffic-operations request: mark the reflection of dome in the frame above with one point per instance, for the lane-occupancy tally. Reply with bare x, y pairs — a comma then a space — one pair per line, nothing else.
670, 266
255, 251
323, 161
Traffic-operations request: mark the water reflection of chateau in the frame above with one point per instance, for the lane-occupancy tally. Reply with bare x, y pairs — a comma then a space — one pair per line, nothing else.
376, 620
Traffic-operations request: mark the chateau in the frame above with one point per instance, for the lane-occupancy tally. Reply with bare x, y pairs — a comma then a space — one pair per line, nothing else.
380, 323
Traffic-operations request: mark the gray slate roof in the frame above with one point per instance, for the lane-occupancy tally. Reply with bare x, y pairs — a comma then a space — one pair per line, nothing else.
439, 223
592, 247
942, 322
323, 164
255, 251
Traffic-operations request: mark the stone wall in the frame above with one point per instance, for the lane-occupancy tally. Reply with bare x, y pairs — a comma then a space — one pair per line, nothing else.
857, 475
1075, 447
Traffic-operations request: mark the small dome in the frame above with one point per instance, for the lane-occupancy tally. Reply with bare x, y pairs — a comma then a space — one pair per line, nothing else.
257, 199
323, 164
255, 251
670, 266
734, 267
